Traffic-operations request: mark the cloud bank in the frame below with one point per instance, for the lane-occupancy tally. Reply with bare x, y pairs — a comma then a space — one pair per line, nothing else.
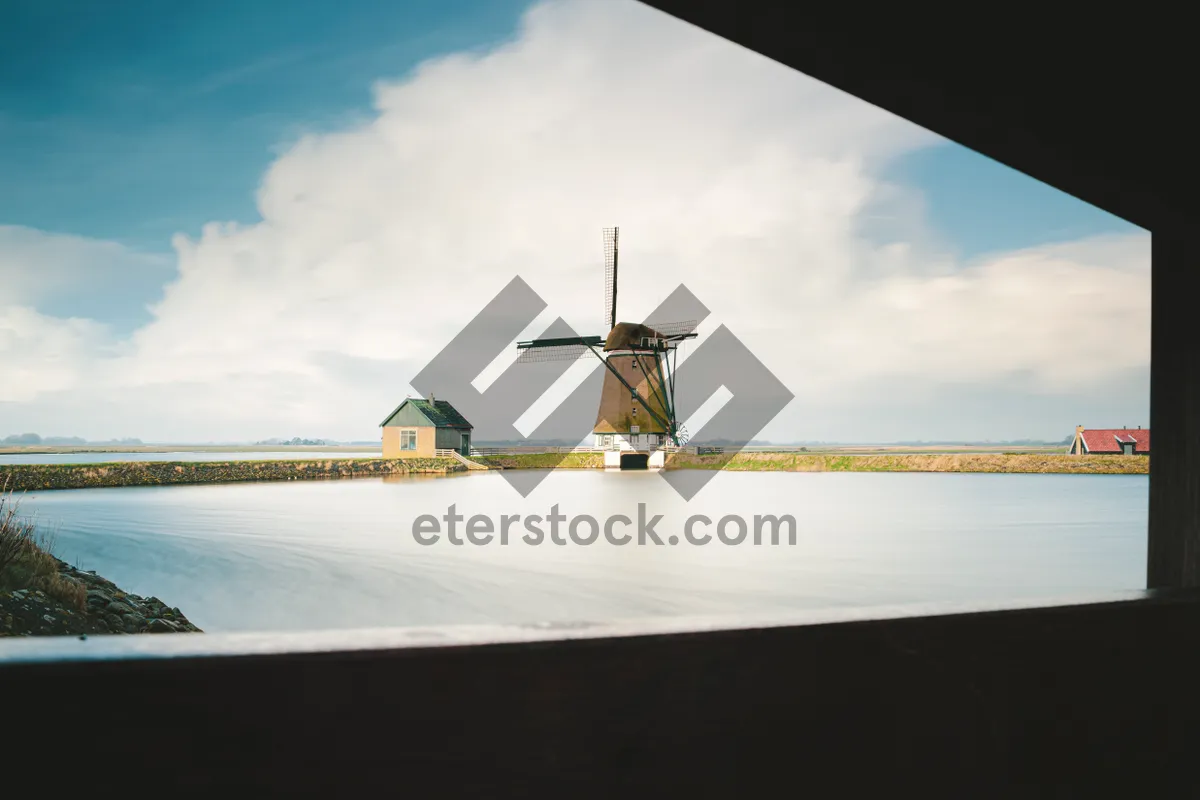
755, 186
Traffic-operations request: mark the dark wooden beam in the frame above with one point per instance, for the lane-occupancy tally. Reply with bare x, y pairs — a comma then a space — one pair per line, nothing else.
1072, 701
1035, 92
1173, 558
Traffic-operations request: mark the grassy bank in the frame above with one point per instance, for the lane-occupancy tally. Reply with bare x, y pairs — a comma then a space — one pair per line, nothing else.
950, 462
41, 477
26, 562
1055, 463
41, 595
544, 461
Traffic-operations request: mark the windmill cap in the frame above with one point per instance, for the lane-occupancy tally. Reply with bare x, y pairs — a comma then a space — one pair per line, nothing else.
627, 335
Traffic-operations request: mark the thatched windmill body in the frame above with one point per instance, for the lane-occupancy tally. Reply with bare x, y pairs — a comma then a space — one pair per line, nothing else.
636, 416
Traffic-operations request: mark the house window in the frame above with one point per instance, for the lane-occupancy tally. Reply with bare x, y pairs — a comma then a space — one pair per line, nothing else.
607, 441
408, 440
1127, 448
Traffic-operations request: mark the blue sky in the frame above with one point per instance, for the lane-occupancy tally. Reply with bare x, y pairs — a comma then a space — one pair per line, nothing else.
135, 121
126, 124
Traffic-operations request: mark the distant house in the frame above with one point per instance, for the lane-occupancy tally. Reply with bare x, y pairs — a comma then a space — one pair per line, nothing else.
418, 427
1111, 441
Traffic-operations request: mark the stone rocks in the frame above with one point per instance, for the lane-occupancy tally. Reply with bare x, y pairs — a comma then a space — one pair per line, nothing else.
27, 612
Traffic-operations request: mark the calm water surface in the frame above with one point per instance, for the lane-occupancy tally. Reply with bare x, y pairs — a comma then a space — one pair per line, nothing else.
183, 455
341, 554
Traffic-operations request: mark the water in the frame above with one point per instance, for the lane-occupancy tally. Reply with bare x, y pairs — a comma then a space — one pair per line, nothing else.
340, 554
183, 455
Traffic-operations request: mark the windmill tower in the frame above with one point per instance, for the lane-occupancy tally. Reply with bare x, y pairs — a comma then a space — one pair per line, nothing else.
636, 415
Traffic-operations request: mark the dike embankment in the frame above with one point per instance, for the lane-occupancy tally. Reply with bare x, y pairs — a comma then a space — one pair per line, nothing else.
1017, 463
44, 477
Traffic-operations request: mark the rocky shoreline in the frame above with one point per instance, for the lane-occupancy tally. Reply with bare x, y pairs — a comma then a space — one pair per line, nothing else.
101, 608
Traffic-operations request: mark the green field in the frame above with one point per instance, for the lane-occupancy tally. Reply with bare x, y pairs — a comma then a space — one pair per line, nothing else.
1051, 464
1048, 463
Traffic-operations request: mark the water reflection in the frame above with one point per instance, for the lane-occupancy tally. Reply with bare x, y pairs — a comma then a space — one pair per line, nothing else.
341, 553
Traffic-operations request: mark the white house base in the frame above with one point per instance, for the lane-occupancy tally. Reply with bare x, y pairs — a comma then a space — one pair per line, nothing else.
656, 458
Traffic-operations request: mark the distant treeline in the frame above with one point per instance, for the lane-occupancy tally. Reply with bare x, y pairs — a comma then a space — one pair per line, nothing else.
1028, 442
24, 439
33, 438
299, 442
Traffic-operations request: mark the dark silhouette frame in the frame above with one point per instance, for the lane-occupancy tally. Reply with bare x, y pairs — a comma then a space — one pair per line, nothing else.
1072, 700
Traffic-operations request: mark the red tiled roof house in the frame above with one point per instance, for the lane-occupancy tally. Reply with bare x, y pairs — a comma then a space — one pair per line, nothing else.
1111, 441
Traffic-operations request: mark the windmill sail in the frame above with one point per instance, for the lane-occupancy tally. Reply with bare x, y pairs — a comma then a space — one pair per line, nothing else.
610, 278
540, 350
674, 329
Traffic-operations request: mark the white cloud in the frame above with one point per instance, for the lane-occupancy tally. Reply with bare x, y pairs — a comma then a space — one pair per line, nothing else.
727, 172
40, 354
37, 267
1068, 316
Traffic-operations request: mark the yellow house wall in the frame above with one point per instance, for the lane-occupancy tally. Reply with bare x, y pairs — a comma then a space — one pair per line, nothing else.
425, 442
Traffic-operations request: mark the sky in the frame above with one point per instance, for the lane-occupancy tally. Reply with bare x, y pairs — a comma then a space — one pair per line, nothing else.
223, 223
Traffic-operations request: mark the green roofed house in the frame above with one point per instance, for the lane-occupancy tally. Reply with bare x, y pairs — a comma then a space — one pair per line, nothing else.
419, 426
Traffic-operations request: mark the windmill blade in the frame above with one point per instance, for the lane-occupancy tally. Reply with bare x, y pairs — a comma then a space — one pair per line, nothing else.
610, 278
571, 348
673, 329
562, 352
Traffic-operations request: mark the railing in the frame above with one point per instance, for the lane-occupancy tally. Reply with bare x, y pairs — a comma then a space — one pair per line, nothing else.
459, 457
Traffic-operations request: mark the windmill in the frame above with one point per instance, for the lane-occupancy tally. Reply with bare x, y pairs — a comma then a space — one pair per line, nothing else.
637, 400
